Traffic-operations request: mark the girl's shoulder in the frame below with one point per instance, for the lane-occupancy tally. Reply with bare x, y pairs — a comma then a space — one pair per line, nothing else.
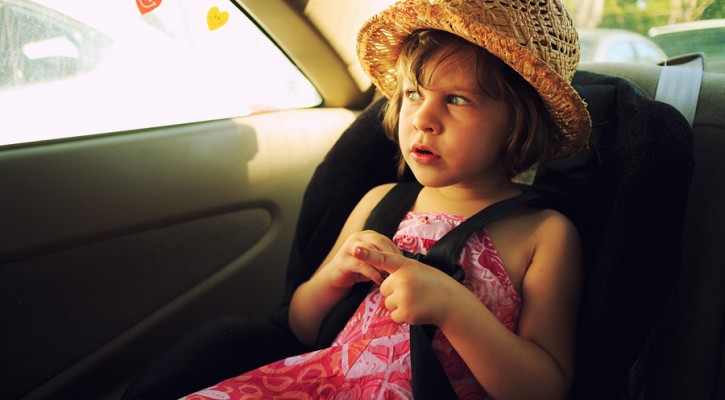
374, 195
533, 228
548, 221
544, 224
366, 204
553, 237
381, 190
533, 236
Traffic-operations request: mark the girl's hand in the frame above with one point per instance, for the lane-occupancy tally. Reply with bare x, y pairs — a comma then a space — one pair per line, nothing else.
414, 292
346, 268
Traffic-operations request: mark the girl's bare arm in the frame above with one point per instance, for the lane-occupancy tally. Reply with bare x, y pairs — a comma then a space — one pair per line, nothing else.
538, 362
339, 271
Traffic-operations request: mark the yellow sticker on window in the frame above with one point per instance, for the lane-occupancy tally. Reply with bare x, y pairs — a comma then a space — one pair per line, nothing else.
215, 19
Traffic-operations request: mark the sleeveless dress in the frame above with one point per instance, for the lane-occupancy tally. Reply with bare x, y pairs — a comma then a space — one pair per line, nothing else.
370, 358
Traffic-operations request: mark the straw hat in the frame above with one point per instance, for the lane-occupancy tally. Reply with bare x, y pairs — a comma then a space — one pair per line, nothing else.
535, 37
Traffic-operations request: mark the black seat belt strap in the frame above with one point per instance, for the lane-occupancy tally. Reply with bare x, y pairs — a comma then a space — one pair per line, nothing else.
445, 252
392, 208
429, 379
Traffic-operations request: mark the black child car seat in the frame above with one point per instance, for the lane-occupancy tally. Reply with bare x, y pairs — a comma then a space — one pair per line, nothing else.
626, 193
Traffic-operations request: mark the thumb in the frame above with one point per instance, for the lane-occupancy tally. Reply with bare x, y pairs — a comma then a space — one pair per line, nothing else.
383, 261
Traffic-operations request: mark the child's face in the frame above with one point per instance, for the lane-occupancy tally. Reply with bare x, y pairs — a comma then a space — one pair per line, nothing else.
450, 131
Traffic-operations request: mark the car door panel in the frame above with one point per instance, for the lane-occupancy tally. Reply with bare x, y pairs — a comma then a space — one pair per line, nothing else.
111, 244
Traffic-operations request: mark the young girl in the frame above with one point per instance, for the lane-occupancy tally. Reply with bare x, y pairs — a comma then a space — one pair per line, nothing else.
473, 101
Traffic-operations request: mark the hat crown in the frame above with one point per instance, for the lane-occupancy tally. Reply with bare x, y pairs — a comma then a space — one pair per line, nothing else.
543, 27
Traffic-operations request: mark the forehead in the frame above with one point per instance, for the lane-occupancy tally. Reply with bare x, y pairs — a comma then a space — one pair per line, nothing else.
457, 68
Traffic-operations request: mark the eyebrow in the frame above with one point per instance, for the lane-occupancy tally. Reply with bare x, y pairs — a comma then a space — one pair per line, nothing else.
471, 91
462, 90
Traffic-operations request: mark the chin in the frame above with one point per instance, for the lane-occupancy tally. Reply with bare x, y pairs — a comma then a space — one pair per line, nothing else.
427, 180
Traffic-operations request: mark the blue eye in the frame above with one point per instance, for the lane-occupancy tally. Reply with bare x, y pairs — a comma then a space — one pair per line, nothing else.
458, 100
412, 95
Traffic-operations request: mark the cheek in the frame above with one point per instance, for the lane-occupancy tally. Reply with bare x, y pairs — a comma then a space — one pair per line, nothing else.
405, 115
501, 124
502, 116
404, 124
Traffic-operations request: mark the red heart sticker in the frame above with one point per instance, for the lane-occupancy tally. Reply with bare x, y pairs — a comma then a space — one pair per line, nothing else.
147, 5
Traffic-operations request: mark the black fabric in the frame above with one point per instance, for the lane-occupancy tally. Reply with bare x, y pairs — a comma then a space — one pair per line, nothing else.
693, 367
222, 348
429, 379
641, 165
392, 208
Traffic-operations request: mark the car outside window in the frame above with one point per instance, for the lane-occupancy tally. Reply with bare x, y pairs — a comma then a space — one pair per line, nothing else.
706, 36
74, 68
656, 30
55, 48
647, 54
621, 51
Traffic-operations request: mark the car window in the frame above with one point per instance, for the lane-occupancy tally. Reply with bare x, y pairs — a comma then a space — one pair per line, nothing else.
621, 51
587, 47
73, 68
707, 36
660, 29
647, 54
61, 49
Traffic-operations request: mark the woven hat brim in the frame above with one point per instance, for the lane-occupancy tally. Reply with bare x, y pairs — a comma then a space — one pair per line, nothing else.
381, 36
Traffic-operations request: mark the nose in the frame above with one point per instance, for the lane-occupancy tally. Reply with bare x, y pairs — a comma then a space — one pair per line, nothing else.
426, 118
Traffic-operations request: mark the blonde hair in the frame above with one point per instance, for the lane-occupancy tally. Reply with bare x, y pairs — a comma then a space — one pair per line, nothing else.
533, 138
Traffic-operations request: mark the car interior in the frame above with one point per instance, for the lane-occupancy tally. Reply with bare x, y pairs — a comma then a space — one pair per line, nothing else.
112, 246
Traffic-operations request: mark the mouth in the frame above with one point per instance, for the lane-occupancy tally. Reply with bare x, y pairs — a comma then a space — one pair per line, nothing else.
422, 150
423, 155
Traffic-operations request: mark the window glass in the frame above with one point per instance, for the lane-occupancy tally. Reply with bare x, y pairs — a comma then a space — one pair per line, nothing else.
586, 48
61, 49
706, 36
621, 51
71, 68
646, 53
666, 28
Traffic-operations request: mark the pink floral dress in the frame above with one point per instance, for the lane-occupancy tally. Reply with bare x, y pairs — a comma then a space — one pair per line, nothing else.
370, 358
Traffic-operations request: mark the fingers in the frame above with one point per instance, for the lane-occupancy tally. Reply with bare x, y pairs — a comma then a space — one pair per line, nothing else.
395, 301
386, 290
346, 269
362, 267
393, 308
373, 240
383, 261
364, 271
